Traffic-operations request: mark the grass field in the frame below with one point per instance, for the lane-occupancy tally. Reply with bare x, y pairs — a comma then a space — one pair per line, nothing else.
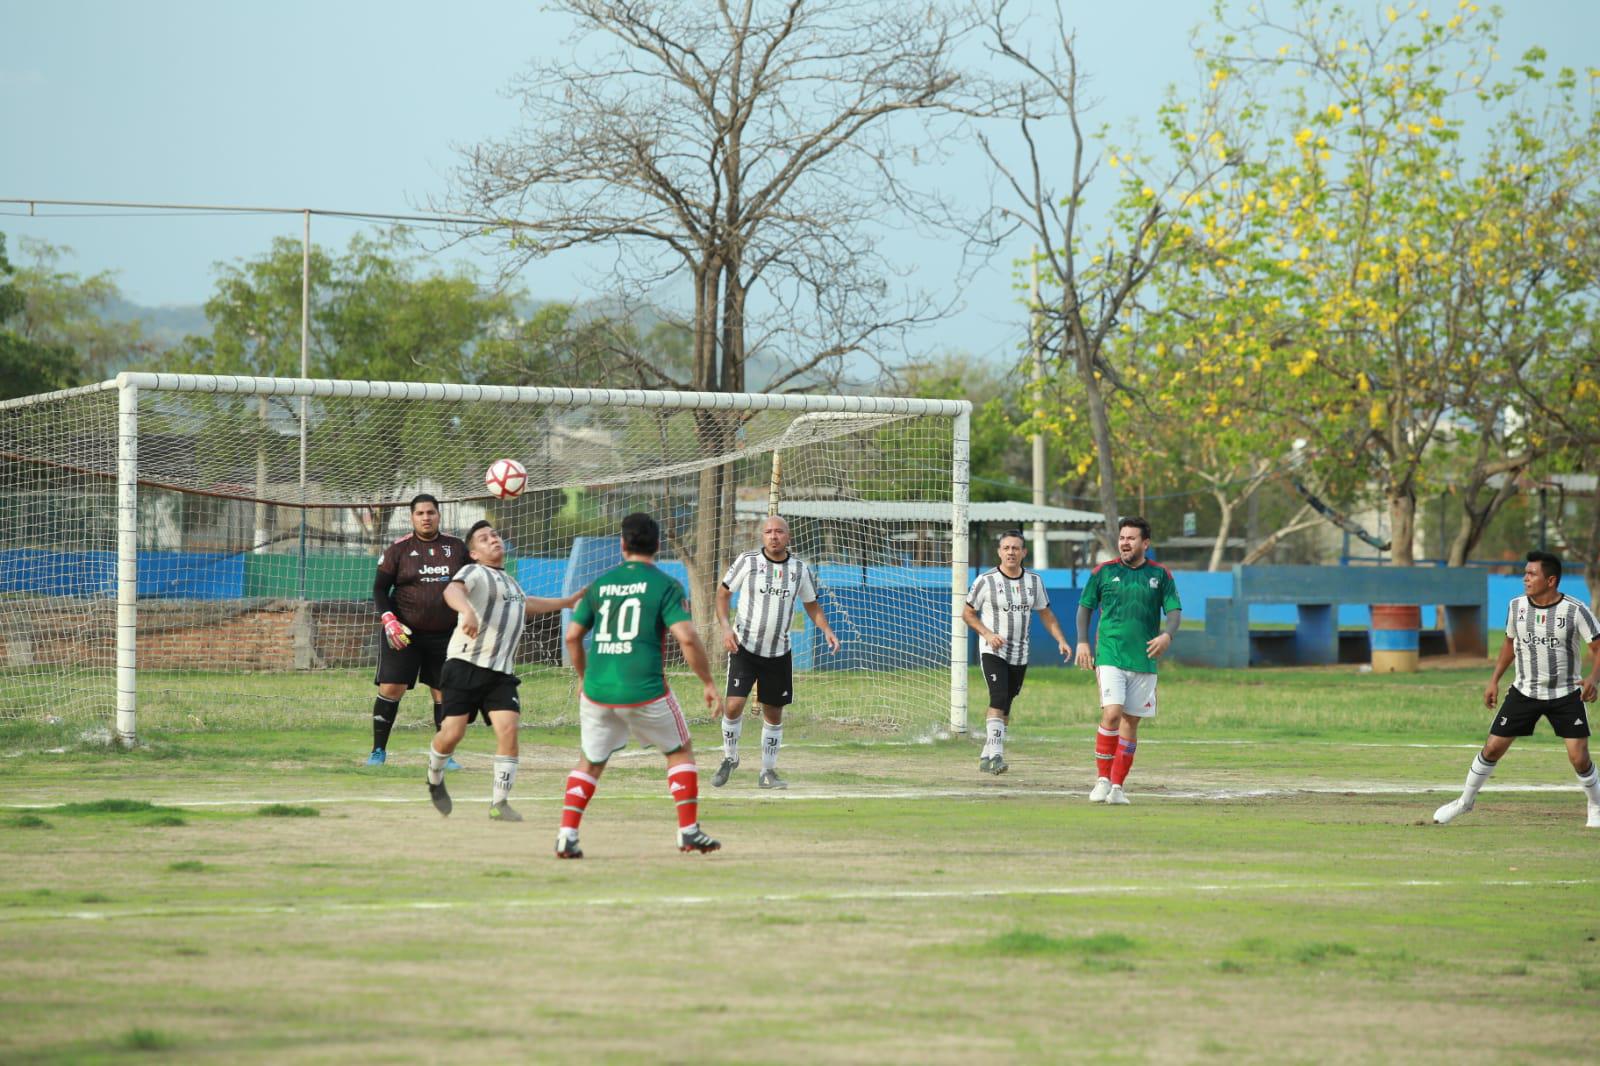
1273, 894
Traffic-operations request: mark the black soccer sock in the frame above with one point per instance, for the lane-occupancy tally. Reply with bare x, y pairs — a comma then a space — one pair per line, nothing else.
438, 716
384, 712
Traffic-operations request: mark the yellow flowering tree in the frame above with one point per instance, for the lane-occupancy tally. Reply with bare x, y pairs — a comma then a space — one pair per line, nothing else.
1402, 249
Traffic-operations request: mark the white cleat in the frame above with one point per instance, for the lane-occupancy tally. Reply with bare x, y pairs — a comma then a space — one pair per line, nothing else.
1102, 789
1451, 811
1594, 817
1115, 796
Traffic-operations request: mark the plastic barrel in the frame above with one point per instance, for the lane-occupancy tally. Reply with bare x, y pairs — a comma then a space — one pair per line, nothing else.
1394, 637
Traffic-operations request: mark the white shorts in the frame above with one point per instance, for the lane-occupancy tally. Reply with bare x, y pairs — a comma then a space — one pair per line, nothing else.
1134, 692
603, 730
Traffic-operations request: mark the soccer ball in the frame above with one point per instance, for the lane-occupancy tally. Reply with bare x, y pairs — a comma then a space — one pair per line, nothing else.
505, 479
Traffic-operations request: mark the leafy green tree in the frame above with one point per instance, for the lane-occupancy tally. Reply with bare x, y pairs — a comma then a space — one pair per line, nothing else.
51, 336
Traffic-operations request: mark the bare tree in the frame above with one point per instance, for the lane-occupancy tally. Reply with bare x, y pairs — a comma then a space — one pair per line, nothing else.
746, 148
1048, 179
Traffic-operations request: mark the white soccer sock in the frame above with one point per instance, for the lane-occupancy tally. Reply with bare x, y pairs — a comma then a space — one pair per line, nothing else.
1481, 771
1591, 783
505, 775
732, 728
435, 766
771, 741
996, 742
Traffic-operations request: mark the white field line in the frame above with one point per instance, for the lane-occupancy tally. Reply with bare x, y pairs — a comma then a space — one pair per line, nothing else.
799, 793
885, 895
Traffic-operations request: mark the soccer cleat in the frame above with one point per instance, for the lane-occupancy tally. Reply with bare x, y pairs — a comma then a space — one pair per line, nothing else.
440, 797
769, 779
450, 763
1594, 817
724, 772
377, 757
1102, 789
1451, 811
983, 764
695, 839
1115, 797
567, 847
998, 765
501, 811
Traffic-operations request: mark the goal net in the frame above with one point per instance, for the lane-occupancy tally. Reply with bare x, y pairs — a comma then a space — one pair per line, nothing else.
193, 552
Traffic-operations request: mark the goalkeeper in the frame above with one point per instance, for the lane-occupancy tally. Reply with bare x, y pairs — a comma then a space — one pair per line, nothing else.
409, 595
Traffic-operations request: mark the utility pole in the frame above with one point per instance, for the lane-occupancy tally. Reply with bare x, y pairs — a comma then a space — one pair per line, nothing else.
1041, 554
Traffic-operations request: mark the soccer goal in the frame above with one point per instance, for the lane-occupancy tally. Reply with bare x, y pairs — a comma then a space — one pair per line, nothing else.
188, 551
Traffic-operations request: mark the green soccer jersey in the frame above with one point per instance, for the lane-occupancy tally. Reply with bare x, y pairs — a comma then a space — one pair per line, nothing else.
1132, 601
628, 611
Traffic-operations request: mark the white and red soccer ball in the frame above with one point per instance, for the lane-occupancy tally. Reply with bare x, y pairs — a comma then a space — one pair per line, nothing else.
505, 479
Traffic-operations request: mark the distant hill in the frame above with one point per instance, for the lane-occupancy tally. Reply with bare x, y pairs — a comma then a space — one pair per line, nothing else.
164, 326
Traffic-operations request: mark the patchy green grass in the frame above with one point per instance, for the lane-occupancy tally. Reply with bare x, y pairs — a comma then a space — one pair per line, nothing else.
1272, 894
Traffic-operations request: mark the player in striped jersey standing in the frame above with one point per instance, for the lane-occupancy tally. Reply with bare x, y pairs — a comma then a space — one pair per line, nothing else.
1546, 633
770, 580
1000, 609
478, 676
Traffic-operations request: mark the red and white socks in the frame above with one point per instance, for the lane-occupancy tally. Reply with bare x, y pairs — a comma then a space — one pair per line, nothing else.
1123, 762
1105, 751
683, 782
580, 790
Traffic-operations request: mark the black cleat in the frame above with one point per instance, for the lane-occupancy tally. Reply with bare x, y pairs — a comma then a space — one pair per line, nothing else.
696, 839
440, 797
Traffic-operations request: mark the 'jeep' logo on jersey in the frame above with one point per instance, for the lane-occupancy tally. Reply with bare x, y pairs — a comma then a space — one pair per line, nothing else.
767, 590
427, 570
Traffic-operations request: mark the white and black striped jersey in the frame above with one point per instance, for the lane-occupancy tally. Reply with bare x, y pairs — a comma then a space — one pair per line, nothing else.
1006, 605
500, 603
1550, 643
768, 593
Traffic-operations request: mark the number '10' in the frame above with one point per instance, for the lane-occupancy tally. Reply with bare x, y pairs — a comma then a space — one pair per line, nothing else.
627, 621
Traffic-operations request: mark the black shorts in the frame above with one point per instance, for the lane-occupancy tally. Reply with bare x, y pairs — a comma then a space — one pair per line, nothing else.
772, 679
422, 658
469, 689
1005, 681
1519, 714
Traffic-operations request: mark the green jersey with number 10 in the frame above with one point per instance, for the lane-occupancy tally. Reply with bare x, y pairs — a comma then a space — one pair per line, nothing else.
628, 611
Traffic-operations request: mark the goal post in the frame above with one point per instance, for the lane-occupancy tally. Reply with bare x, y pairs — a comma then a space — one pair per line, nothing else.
189, 551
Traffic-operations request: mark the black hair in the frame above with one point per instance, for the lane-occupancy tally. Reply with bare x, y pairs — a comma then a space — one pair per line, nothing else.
1013, 533
640, 534
482, 523
1137, 523
424, 497
1550, 564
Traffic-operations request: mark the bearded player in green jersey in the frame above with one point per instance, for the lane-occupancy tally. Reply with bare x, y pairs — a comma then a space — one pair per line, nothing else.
623, 686
1132, 594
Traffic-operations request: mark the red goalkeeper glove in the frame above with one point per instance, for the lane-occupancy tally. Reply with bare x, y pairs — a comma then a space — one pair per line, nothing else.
398, 632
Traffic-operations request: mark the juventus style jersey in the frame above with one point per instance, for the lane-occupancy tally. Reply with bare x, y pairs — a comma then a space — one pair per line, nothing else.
1550, 643
768, 593
1007, 605
499, 602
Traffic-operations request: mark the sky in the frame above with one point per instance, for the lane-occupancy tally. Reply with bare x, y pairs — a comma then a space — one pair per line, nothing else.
360, 105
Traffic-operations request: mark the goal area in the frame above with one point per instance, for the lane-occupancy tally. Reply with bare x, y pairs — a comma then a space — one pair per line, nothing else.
187, 552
